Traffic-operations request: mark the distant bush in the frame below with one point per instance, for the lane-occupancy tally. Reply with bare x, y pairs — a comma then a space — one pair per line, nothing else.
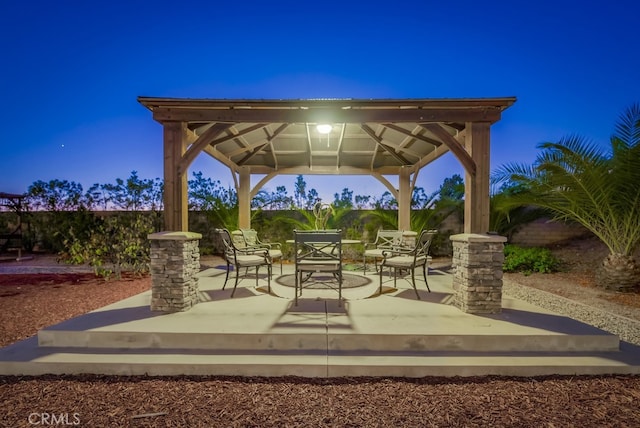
529, 260
115, 244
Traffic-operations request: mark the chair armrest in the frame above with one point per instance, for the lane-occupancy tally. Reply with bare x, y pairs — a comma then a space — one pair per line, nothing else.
389, 253
403, 249
276, 245
271, 245
259, 246
253, 251
397, 251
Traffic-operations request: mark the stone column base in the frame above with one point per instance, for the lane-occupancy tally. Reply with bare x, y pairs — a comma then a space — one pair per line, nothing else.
477, 267
175, 261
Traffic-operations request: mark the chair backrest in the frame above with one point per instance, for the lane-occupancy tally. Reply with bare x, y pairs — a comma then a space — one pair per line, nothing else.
229, 248
388, 238
238, 238
318, 245
424, 242
250, 237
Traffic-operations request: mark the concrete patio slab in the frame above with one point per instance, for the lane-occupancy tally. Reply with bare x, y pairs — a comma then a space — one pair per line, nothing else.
256, 333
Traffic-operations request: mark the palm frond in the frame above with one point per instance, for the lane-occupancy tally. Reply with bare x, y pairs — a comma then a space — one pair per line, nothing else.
580, 181
627, 130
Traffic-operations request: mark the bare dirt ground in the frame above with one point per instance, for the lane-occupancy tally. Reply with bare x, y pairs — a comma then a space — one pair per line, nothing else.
29, 302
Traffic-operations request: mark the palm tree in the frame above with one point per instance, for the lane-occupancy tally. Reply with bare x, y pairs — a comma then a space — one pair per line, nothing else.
598, 188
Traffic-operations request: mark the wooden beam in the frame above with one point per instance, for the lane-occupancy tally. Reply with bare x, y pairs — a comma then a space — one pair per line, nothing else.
153, 103
211, 151
203, 141
438, 152
381, 178
456, 148
288, 115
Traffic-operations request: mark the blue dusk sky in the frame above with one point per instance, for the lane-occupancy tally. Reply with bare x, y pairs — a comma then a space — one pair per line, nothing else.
72, 71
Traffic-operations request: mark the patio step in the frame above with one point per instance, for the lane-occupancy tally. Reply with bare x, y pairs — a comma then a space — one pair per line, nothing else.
176, 362
327, 342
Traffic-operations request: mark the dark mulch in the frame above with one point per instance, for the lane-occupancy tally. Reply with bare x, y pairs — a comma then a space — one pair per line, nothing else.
294, 402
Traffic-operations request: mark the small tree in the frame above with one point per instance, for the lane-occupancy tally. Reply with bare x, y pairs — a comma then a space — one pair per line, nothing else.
116, 244
312, 198
66, 210
300, 191
134, 193
343, 200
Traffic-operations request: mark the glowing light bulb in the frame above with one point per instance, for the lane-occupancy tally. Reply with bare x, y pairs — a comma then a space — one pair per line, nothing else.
324, 128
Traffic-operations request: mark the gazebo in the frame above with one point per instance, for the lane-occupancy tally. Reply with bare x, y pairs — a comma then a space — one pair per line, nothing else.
376, 137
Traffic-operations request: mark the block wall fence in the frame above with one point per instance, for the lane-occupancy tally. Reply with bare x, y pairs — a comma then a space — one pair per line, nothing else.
539, 233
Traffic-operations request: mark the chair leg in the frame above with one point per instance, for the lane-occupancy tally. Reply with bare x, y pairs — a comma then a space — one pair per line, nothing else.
227, 276
413, 281
424, 273
340, 289
237, 279
395, 275
257, 269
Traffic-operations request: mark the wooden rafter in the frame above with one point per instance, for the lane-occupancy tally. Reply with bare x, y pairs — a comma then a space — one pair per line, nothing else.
268, 142
412, 135
237, 134
366, 128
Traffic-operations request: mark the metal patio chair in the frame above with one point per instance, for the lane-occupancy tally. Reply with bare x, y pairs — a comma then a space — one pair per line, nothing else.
317, 251
251, 240
399, 259
385, 240
243, 258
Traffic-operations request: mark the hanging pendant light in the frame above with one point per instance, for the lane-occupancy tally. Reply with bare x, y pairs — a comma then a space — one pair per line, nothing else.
324, 128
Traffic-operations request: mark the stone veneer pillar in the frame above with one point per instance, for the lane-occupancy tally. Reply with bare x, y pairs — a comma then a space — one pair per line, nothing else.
175, 261
477, 277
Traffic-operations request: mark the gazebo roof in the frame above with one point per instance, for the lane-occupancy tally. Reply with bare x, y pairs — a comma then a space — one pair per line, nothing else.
368, 136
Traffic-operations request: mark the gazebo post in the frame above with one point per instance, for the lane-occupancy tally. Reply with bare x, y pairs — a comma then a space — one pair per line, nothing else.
404, 199
476, 186
176, 207
477, 255
244, 199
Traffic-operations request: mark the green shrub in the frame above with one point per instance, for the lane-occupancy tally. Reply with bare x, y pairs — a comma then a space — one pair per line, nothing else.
117, 243
528, 260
